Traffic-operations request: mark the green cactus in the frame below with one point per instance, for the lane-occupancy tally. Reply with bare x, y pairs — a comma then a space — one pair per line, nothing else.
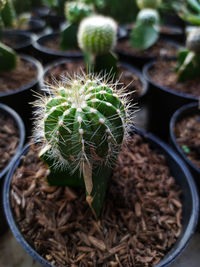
146, 30
83, 128
8, 14
148, 17
8, 58
148, 4
2, 4
76, 11
193, 40
188, 66
97, 37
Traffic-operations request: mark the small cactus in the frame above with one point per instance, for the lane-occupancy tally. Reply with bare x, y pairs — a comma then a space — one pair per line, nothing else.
193, 40
148, 4
83, 126
97, 35
76, 11
148, 17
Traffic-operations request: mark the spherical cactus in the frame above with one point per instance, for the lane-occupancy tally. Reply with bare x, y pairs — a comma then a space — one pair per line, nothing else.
97, 35
83, 120
148, 3
148, 17
193, 40
76, 11
2, 4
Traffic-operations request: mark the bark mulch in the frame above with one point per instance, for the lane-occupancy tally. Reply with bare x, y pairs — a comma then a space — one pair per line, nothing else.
9, 139
187, 133
163, 73
22, 75
140, 222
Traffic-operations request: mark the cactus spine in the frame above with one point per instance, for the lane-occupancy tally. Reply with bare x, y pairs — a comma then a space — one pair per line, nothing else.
83, 128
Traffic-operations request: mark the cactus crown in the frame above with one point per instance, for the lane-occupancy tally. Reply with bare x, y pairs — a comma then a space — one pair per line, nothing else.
83, 120
193, 40
148, 4
76, 11
148, 17
97, 34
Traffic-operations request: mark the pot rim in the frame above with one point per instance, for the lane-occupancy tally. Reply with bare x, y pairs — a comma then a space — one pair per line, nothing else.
191, 226
21, 129
145, 72
174, 119
124, 64
48, 51
31, 84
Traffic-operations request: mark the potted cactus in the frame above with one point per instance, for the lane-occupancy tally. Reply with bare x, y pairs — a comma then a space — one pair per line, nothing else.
64, 43
81, 125
174, 82
144, 44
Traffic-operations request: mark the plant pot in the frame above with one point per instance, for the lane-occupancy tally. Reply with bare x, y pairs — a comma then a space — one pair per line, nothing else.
54, 21
164, 101
40, 12
190, 204
46, 55
36, 25
20, 98
18, 40
181, 113
139, 59
20, 127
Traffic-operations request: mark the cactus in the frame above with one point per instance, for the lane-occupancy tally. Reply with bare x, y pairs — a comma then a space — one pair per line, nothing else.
188, 66
193, 40
2, 4
97, 37
148, 17
8, 58
83, 126
148, 4
8, 14
76, 11
146, 30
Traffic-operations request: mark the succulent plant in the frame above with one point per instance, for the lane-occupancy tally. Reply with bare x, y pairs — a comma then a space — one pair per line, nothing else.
8, 14
146, 30
97, 34
148, 4
83, 126
76, 11
188, 66
193, 40
2, 4
148, 17
97, 37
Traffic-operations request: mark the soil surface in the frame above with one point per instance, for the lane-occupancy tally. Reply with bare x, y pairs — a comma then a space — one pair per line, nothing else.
54, 45
187, 133
140, 221
163, 73
9, 139
126, 78
22, 75
159, 49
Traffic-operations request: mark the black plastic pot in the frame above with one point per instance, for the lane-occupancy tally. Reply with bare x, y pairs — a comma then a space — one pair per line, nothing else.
174, 33
190, 203
180, 114
20, 41
47, 55
163, 103
40, 12
54, 20
36, 25
140, 60
20, 98
20, 126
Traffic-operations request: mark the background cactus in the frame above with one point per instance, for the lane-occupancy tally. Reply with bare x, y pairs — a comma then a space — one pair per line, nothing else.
188, 66
148, 17
146, 30
148, 4
83, 128
97, 37
8, 14
76, 11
